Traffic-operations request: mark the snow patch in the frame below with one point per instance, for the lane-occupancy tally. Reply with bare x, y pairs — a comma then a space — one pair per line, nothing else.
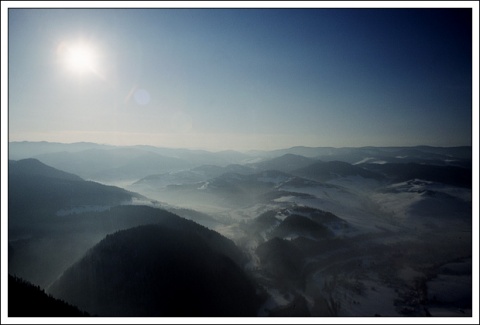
378, 299
289, 198
294, 236
204, 186
269, 230
276, 299
364, 160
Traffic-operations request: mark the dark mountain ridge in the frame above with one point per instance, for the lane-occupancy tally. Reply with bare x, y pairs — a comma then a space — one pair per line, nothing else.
37, 190
28, 300
156, 271
33, 167
44, 249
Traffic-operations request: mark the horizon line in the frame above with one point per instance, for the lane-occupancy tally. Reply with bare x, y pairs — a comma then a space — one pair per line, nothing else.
237, 150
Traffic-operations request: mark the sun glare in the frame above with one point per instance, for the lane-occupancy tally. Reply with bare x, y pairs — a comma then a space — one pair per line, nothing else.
79, 58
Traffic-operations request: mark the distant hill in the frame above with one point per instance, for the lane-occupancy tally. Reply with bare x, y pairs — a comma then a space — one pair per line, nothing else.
191, 176
28, 149
323, 171
37, 190
158, 181
155, 270
321, 217
227, 190
296, 221
119, 163
112, 164
450, 175
285, 163
115, 164
199, 157
232, 190
455, 156
211, 171
33, 167
299, 226
28, 300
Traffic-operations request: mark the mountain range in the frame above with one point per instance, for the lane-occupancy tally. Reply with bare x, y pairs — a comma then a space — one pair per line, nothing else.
146, 231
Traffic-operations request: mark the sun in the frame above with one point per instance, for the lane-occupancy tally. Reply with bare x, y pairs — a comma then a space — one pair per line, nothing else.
79, 57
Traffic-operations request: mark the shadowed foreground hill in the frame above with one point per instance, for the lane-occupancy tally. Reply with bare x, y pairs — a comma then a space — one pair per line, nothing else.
153, 270
45, 250
27, 300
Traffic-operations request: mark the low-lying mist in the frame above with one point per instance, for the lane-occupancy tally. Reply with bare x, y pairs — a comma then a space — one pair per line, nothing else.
279, 234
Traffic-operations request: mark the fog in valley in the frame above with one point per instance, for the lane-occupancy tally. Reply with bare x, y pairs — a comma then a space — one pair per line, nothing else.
273, 164
296, 232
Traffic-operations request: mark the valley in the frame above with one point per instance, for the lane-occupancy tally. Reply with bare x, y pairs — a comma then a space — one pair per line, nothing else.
300, 232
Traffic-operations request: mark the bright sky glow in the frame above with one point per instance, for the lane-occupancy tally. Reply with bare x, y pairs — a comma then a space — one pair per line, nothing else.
241, 78
79, 57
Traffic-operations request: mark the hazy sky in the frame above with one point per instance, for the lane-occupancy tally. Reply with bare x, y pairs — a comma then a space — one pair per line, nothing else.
241, 78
